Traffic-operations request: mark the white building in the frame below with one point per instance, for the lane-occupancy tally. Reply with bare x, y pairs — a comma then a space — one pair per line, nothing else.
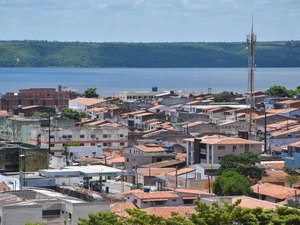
82, 104
75, 152
111, 138
141, 95
211, 149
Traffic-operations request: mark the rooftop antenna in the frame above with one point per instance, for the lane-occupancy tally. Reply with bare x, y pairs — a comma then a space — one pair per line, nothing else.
251, 41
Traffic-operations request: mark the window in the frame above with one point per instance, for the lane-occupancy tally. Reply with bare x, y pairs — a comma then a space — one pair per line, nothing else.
159, 203
52, 136
234, 147
81, 136
69, 136
104, 135
81, 144
221, 147
52, 145
93, 144
104, 144
122, 144
127, 159
121, 135
109, 144
93, 136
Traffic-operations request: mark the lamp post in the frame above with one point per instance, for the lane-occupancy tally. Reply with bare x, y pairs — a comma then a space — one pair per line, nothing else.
265, 128
22, 173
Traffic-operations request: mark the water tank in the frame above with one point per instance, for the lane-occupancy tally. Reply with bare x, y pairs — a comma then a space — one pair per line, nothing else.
146, 189
154, 89
168, 148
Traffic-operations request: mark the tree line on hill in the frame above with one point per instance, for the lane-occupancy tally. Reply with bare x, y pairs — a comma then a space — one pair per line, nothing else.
146, 55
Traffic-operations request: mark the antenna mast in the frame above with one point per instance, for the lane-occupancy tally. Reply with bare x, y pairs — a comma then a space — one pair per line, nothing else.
251, 41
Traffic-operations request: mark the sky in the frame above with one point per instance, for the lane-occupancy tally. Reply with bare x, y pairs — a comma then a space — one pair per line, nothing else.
149, 20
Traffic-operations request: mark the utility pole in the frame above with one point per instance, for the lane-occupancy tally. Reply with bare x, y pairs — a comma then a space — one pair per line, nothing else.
49, 133
251, 41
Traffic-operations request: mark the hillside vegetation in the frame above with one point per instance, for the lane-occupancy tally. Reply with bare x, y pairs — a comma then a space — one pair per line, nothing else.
200, 54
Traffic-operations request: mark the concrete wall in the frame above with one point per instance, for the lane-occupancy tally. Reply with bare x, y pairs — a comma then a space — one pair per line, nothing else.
20, 215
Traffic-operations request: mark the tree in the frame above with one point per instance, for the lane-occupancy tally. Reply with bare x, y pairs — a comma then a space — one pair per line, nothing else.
280, 91
292, 179
101, 218
231, 183
72, 114
297, 89
69, 144
225, 96
91, 93
244, 164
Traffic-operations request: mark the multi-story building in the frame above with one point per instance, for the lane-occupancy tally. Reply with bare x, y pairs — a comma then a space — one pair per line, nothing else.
35, 96
139, 155
210, 149
112, 138
16, 156
45, 206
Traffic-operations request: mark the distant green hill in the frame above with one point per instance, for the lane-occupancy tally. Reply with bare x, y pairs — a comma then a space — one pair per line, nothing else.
200, 54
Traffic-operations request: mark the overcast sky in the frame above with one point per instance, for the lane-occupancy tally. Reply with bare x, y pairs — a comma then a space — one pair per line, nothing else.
148, 20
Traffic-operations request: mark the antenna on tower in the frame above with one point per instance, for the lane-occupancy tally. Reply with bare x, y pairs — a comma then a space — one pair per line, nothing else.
251, 42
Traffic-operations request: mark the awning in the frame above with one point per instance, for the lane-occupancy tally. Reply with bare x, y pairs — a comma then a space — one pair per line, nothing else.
190, 198
155, 200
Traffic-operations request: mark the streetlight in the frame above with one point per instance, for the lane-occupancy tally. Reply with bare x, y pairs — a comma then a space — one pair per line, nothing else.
264, 110
22, 173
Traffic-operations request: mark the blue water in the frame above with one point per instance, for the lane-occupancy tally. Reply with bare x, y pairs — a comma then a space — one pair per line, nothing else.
111, 81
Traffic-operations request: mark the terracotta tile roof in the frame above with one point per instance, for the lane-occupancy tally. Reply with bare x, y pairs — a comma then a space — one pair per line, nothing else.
295, 144
286, 132
120, 208
281, 111
248, 202
165, 163
281, 125
4, 187
97, 110
290, 101
182, 171
88, 101
3, 113
275, 191
144, 114
31, 107
166, 212
273, 164
148, 149
155, 195
116, 160
192, 191
223, 140
154, 172
274, 176
156, 107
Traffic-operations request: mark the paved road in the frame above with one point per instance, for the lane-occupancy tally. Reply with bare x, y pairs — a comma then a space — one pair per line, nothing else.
116, 186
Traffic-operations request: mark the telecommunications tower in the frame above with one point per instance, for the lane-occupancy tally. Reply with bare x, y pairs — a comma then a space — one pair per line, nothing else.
251, 41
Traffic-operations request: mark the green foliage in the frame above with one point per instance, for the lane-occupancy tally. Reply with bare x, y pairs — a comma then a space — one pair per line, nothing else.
42, 114
231, 183
292, 179
179, 120
297, 90
204, 215
244, 164
69, 144
280, 91
118, 102
225, 96
72, 114
83, 54
101, 218
91, 93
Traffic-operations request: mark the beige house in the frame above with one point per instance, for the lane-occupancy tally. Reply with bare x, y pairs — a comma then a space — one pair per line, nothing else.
210, 149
